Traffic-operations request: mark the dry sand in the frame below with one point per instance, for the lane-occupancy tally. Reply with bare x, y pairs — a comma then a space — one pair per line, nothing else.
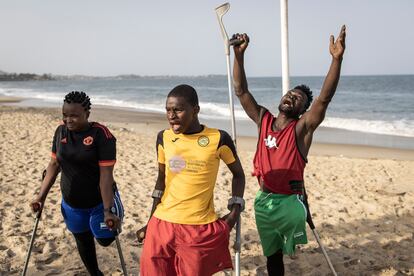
361, 199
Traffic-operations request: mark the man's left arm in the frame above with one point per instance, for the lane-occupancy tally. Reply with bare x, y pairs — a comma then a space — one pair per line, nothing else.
314, 117
237, 191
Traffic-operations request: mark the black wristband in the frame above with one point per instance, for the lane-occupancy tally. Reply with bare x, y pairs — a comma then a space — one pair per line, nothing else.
110, 210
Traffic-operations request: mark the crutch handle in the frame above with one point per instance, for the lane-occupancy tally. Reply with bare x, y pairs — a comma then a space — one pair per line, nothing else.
110, 223
235, 41
309, 216
36, 206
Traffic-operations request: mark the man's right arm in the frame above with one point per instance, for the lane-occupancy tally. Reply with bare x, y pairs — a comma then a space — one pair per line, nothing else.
247, 100
159, 186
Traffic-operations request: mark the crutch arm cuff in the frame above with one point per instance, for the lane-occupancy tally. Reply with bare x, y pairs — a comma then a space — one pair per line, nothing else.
236, 200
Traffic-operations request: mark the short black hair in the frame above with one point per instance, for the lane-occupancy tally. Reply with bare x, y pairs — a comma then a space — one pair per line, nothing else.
305, 89
80, 98
185, 91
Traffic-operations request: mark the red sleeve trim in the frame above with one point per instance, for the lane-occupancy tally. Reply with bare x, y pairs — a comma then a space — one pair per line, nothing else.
106, 131
107, 163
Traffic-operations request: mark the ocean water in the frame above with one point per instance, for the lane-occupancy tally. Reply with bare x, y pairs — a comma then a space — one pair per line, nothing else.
374, 105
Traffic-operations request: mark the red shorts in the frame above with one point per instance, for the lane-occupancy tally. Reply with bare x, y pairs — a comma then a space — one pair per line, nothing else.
179, 249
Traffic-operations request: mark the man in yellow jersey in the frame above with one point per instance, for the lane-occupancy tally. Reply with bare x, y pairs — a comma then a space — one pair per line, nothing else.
184, 235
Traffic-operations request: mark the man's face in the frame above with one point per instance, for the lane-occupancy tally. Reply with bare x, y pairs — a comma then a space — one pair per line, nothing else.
293, 103
75, 116
180, 114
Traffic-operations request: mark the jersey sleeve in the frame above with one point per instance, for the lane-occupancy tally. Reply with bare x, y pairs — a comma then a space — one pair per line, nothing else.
106, 146
55, 138
160, 147
226, 149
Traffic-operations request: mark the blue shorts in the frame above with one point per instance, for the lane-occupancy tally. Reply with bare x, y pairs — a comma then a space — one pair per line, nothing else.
91, 219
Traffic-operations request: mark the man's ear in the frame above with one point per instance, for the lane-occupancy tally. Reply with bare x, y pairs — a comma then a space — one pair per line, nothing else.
196, 109
87, 114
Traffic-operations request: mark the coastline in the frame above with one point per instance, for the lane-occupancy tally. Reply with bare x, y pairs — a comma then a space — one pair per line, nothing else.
151, 123
246, 129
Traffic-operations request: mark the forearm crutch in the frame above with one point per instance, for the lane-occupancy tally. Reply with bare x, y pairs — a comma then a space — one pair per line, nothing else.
29, 251
220, 12
118, 246
315, 233
39, 210
237, 246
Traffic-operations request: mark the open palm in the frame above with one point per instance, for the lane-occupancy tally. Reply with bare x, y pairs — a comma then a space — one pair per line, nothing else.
337, 47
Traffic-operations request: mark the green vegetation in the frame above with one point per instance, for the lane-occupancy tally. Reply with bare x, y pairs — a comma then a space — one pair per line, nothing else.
24, 77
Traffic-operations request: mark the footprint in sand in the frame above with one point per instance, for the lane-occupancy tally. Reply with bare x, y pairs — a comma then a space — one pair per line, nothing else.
50, 258
261, 271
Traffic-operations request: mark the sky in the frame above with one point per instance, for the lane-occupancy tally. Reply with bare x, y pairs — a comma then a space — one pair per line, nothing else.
182, 37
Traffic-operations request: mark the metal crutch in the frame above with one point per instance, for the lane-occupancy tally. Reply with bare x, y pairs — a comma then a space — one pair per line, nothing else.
38, 215
315, 233
118, 246
220, 12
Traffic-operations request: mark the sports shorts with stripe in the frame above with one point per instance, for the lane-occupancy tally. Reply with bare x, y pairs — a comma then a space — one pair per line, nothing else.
91, 219
280, 221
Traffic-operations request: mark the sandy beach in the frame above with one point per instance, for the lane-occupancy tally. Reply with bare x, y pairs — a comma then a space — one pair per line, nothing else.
361, 198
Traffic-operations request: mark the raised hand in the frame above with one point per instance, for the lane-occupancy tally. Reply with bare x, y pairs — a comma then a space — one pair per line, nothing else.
337, 47
240, 48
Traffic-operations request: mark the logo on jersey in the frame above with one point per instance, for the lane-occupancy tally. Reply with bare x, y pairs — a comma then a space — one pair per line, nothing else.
270, 142
298, 234
64, 141
88, 141
174, 140
203, 141
177, 164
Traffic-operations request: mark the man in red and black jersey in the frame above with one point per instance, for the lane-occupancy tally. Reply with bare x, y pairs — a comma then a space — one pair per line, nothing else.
281, 154
85, 152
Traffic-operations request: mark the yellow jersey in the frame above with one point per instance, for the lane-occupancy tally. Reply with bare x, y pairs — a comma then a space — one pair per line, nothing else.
191, 167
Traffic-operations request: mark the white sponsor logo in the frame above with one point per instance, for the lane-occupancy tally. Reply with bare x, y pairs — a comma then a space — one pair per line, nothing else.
270, 142
177, 164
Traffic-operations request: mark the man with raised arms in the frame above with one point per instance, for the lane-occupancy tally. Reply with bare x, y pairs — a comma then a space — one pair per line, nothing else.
281, 155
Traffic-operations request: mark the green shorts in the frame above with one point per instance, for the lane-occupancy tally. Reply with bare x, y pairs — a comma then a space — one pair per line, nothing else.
281, 222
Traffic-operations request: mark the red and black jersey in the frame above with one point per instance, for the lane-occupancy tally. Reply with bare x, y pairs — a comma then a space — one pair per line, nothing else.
80, 154
278, 164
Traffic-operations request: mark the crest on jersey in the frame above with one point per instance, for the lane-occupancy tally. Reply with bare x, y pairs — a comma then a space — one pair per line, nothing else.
203, 141
88, 141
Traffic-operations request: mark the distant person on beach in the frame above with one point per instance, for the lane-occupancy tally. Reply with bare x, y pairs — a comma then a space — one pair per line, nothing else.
184, 235
281, 155
85, 152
